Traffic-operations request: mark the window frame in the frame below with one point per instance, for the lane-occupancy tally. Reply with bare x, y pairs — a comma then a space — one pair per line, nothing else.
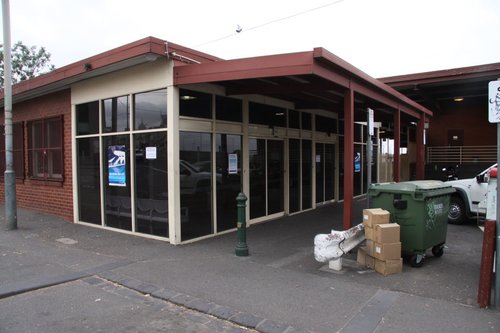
44, 148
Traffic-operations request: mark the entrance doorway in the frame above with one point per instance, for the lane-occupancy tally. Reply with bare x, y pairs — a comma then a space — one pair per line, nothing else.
325, 172
266, 177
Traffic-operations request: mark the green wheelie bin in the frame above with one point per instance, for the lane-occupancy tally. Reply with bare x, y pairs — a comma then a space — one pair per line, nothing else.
421, 209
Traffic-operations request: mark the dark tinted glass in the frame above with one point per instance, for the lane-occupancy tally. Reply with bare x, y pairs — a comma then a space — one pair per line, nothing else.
294, 174
306, 121
89, 197
293, 119
275, 181
116, 114
257, 200
150, 110
358, 152
320, 172
195, 104
229, 109
196, 184
87, 118
267, 115
228, 179
151, 183
326, 125
329, 172
306, 174
116, 153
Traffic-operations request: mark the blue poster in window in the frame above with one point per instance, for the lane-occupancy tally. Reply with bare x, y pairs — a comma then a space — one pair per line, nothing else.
357, 162
117, 166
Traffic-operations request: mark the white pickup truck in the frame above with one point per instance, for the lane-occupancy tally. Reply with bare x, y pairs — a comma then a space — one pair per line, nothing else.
465, 203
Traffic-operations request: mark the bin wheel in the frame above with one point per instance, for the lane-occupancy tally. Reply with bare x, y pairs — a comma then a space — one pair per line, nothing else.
438, 250
417, 260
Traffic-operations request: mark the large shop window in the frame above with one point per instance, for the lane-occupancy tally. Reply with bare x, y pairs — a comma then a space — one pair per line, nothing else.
45, 149
17, 149
116, 114
195, 104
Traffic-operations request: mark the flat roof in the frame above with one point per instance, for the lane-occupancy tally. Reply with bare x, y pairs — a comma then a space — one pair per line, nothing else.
313, 79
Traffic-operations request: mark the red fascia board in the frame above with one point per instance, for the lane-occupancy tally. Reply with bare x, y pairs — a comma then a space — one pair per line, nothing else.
247, 68
453, 74
148, 45
325, 56
138, 48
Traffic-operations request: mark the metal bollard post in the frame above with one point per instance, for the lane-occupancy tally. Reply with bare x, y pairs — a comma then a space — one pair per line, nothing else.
241, 245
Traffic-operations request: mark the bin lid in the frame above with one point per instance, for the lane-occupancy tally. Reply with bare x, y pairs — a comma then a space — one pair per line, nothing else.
413, 186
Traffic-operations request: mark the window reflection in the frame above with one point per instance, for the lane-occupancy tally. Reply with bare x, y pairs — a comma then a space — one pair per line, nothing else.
150, 110
196, 184
151, 189
116, 114
228, 179
117, 190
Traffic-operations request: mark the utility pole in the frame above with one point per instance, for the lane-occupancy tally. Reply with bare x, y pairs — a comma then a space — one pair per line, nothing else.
9, 176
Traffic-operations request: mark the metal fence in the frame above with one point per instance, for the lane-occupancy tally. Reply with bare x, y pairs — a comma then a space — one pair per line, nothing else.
461, 154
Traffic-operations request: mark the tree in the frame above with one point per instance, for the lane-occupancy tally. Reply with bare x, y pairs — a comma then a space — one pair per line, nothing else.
27, 62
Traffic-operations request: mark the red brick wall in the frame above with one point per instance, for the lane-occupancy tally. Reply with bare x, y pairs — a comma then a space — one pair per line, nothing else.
471, 116
50, 197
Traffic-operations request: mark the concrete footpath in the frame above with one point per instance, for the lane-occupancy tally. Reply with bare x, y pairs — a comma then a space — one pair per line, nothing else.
56, 276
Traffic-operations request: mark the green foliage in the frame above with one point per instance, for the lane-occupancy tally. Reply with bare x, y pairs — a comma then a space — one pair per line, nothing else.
27, 62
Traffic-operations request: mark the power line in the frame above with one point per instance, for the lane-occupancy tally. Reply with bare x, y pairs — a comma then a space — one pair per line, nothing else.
240, 30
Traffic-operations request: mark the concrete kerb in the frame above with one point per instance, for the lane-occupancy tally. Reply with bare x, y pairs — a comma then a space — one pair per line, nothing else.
241, 318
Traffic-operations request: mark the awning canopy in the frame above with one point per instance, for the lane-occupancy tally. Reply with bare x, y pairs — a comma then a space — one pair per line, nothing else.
310, 80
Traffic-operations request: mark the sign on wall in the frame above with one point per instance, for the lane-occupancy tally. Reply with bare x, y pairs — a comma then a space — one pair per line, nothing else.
494, 102
232, 160
357, 162
117, 166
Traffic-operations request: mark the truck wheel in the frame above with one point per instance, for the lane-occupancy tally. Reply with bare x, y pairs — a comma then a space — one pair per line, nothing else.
456, 214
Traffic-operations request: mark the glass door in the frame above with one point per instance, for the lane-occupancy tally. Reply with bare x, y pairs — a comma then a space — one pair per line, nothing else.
325, 172
266, 177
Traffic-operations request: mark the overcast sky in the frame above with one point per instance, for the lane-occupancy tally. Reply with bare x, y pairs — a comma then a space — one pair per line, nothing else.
380, 37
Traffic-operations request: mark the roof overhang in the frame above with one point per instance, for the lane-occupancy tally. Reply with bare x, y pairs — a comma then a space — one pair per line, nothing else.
314, 79
469, 84
136, 53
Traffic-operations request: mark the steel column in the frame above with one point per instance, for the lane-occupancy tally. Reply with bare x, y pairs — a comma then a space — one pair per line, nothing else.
348, 157
396, 167
420, 148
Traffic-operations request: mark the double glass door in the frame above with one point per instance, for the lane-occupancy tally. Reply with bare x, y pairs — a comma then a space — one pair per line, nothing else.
325, 172
266, 177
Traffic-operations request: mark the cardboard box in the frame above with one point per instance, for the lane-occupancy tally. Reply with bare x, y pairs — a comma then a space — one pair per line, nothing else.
374, 216
387, 267
364, 259
369, 233
386, 233
383, 251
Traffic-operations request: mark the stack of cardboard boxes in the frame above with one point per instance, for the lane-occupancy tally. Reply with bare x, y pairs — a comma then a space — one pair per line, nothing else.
382, 250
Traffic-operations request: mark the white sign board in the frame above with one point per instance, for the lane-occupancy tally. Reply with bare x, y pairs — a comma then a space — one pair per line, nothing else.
151, 153
232, 164
370, 122
494, 102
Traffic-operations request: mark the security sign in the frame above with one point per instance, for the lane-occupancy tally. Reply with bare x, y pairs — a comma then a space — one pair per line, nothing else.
494, 102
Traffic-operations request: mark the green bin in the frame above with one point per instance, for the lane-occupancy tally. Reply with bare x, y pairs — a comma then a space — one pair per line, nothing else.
421, 209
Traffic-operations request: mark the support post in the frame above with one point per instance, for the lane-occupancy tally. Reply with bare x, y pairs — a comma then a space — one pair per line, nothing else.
396, 167
420, 148
241, 245
486, 270
9, 176
348, 157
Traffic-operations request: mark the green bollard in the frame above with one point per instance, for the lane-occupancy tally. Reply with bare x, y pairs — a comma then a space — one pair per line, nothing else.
241, 246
